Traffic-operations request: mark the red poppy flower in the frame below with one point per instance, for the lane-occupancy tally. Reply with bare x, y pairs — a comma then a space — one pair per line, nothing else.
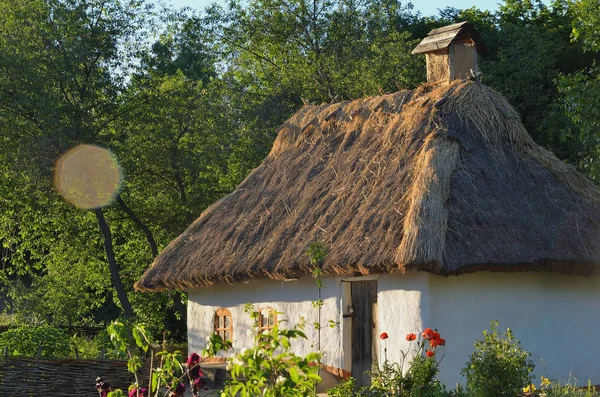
440, 342
428, 334
429, 353
410, 337
436, 335
383, 335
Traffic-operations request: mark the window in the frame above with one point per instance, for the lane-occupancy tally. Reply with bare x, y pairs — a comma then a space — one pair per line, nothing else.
267, 318
223, 324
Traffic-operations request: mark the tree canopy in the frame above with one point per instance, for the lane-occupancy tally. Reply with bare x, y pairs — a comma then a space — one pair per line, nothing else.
189, 102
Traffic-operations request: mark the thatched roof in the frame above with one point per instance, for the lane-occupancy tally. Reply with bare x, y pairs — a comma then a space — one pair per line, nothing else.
441, 38
443, 179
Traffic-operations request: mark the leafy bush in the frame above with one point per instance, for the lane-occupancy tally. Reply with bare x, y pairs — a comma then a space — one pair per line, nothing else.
567, 389
422, 368
421, 376
135, 341
391, 379
499, 366
24, 341
86, 347
270, 368
436, 389
344, 389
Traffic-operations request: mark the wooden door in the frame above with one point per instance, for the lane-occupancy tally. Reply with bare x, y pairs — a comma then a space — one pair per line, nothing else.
364, 329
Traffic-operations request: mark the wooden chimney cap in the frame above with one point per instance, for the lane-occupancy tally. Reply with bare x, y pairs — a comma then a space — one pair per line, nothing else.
441, 38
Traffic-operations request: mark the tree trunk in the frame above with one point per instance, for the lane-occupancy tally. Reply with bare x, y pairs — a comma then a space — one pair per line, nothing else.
141, 225
112, 263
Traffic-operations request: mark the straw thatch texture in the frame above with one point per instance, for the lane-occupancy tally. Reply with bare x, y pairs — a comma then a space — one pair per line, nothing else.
444, 178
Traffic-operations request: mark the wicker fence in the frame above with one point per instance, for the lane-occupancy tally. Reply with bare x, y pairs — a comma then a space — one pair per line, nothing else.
62, 377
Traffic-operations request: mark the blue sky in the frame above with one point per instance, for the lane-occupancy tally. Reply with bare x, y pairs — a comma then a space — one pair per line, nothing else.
426, 7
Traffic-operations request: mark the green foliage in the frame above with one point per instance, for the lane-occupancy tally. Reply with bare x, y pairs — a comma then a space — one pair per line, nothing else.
270, 368
117, 393
580, 90
499, 366
580, 102
132, 340
170, 372
68, 68
24, 341
190, 106
568, 389
317, 251
135, 341
586, 23
436, 389
86, 347
421, 375
417, 380
345, 388
320, 50
216, 344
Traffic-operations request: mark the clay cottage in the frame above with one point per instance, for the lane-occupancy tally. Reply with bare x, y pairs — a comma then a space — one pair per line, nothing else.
437, 209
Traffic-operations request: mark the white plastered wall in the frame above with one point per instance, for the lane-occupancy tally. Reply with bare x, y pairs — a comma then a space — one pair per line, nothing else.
554, 316
399, 307
402, 301
293, 298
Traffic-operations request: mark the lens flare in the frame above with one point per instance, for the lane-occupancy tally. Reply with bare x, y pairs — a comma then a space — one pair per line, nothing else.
88, 176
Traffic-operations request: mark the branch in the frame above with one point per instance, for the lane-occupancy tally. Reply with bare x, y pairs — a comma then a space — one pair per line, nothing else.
139, 224
222, 37
112, 264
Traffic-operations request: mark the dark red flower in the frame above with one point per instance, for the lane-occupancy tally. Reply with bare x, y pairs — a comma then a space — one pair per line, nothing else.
198, 385
429, 353
103, 387
436, 335
410, 337
194, 370
179, 390
428, 334
134, 392
383, 335
440, 341
193, 359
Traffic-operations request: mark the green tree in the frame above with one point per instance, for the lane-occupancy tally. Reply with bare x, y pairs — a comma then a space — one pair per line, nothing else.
63, 68
529, 49
580, 91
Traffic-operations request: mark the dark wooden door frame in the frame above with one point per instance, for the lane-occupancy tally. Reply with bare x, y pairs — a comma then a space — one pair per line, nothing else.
364, 329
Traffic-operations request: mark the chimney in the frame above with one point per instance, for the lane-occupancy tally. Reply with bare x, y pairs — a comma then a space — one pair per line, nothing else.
451, 52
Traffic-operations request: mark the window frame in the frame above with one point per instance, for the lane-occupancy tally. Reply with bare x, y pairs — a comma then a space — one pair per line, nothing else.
268, 310
222, 331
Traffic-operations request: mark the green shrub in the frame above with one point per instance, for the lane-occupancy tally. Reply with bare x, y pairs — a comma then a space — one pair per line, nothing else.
438, 389
86, 347
419, 378
435, 389
499, 366
567, 389
270, 368
24, 341
422, 376
344, 389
